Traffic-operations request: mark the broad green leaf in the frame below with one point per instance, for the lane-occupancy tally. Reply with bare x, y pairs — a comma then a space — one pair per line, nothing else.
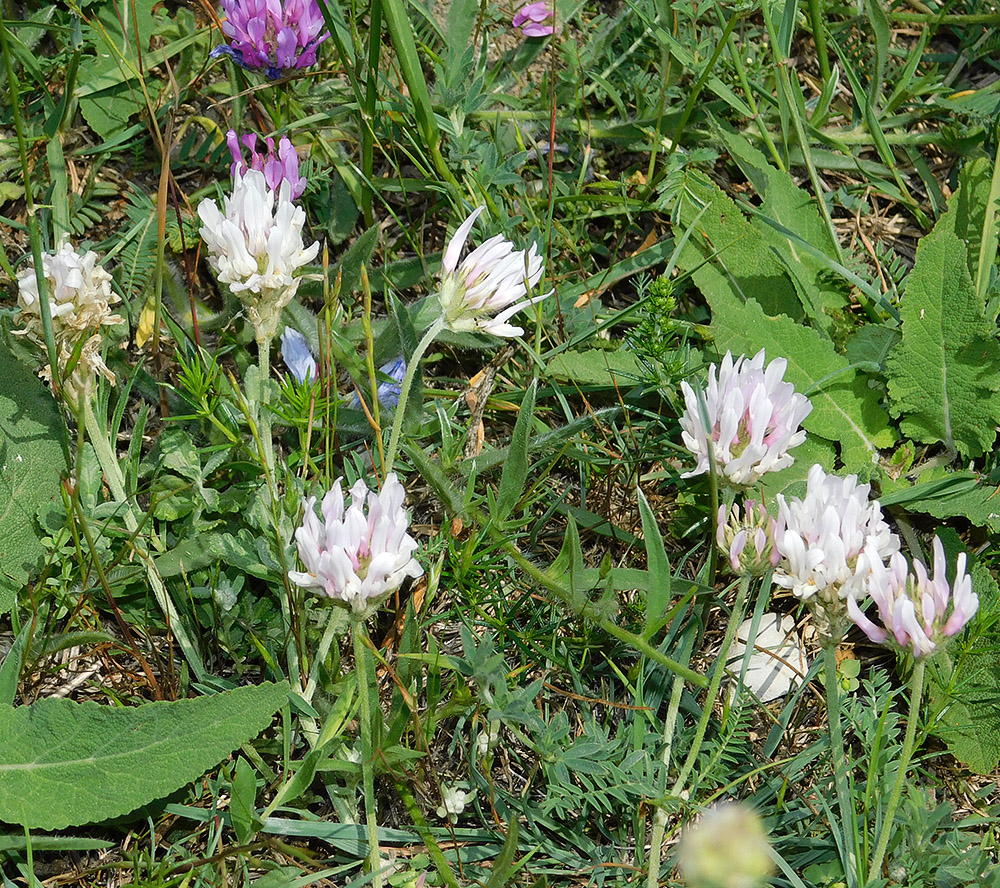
597, 366
845, 410
658, 565
794, 209
967, 208
503, 864
515, 467
728, 257
110, 92
66, 764
30, 459
943, 378
242, 808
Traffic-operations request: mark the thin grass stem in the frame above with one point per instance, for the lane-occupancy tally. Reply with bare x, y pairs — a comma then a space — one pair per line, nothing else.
361, 662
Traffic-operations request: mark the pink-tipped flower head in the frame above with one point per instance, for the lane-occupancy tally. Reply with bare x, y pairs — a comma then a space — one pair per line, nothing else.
748, 537
275, 36
536, 19
832, 540
357, 554
754, 419
277, 166
256, 247
917, 611
489, 286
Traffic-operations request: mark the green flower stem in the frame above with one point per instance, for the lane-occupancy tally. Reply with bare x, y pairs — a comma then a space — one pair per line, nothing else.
264, 415
660, 817
361, 662
713, 687
116, 483
404, 392
912, 717
847, 818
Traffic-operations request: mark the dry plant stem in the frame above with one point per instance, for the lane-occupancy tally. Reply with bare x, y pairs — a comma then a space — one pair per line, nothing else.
660, 817
912, 717
847, 818
116, 483
367, 752
713, 687
404, 392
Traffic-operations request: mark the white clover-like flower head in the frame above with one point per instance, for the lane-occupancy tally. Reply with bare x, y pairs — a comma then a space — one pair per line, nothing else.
754, 419
357, 554
489, 286
453, 802
80, 298
256, 246
914, 608
831, 538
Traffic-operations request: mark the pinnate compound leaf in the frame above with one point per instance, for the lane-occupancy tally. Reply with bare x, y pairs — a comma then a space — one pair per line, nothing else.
30, 457
845, 409
65, 764
943, 378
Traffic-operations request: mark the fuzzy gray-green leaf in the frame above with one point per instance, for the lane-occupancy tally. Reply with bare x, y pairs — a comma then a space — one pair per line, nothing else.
65, 764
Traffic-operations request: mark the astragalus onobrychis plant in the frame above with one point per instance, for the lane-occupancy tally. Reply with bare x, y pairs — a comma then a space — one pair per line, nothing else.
486, 444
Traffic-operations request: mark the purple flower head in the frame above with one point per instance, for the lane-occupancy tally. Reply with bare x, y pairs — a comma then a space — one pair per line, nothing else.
388, 392
278, 37
297, 356
277, 167
913, 607
536, 19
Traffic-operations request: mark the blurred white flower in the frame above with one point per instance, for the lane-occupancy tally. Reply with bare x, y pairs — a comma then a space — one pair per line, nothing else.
297, 356
913, 607
726, 848
256, 247
753, 526
754, 419
488, 737
453, 803
80, 297
831, 541
493, 278
359, 554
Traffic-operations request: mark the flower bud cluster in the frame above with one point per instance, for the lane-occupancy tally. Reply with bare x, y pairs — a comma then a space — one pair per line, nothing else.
748, 537
80, 298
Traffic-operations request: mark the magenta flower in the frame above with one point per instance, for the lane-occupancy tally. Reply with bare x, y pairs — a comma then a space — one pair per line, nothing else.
536, 19
278, 37
277, 166
913, 607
